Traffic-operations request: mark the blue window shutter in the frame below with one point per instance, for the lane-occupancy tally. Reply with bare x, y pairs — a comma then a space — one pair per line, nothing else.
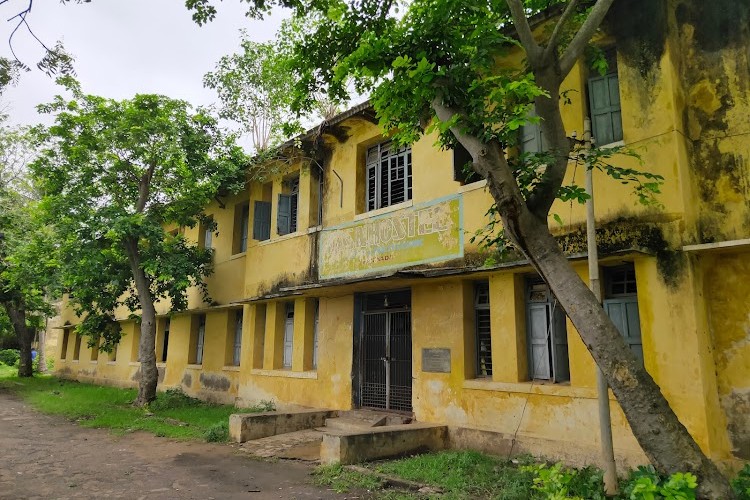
284, 215
262, 220
606, 115
539, 362
624, 314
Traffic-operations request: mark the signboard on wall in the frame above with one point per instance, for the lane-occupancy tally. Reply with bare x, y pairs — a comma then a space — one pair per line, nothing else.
421, 234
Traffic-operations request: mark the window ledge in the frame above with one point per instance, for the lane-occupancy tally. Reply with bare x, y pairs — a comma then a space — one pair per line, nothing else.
112, 362
473, 186
281, 238
75, 361
284, 373
94, 362
134, 363
194, 367
231, 368
237, 256
315, 229
613, 144
161, 364
545, 388
385, 210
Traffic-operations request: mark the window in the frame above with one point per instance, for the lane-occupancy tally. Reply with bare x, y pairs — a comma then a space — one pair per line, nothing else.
288, 335
531, 139
621, 305
64, 349
482, 326
95, 351
259, 335
547, 334
316, 321
113, 353
388, 175
237, 344
262, 220
287, 216
241, 223
604, 99
208, 235
77, 348
165, 341
463, 172
197, 339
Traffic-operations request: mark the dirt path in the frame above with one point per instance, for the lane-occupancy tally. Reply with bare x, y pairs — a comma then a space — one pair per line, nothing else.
44, 457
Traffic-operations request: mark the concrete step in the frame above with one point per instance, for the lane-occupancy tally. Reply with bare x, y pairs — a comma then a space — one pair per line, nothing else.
299, 445
351, 424
376, 418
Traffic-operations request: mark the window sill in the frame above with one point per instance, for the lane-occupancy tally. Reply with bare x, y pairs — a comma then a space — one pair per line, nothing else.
112, 363
194, 367
473, 186
75, 361
278, 238
613, 144
231, 368
161, 364
237, 255
284, 373
385, 210
134, 363
94, 362
544, 388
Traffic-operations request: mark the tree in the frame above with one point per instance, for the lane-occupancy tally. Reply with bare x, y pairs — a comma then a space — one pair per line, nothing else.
431, 65
27, 265
115, 174
255, 92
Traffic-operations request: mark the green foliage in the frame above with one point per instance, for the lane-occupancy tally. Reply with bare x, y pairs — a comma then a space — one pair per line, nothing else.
645, 483
115, 174
556, 482
217, 433
255, 91
741, 484
10, 357
89, 405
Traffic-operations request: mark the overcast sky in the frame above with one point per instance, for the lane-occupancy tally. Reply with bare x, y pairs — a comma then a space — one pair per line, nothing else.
124, 47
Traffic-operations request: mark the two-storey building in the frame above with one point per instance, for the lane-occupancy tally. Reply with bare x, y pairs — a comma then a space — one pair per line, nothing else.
352, 280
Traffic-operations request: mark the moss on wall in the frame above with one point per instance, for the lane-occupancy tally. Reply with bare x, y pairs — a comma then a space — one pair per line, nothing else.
640, 29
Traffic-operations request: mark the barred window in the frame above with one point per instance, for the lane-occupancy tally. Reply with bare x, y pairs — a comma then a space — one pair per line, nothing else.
483, 334
388, 175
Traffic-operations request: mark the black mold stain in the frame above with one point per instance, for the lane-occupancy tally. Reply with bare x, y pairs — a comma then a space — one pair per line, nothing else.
718, 24
215, 382
187, 380
640, 29
737, 408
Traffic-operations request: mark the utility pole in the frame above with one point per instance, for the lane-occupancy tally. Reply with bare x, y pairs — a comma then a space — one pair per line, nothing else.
605, 421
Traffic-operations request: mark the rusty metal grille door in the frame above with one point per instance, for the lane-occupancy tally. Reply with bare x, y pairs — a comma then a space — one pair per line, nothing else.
386, 360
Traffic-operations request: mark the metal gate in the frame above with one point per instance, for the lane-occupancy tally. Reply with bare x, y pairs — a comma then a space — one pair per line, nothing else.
386, 360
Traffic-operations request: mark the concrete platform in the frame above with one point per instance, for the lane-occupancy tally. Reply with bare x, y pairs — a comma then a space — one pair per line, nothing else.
298, 445
350, 447
249, 426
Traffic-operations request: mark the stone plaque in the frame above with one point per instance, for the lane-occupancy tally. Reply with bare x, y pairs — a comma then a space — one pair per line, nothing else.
436, 360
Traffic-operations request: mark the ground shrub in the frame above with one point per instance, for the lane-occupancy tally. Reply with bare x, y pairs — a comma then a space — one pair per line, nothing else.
10, 357
218, 433
644, 483
173, 399
741, 484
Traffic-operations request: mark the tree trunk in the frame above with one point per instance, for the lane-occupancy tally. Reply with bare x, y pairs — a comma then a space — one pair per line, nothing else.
17, 313
666, 442
40, 351
147, 346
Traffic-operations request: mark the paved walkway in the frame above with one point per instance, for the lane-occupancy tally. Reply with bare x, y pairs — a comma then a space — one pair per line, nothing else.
46, 457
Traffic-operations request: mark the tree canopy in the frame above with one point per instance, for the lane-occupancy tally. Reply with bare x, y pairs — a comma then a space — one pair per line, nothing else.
116, 175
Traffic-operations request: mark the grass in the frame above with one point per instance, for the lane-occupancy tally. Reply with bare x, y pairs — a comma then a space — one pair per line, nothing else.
459, 474
173, 414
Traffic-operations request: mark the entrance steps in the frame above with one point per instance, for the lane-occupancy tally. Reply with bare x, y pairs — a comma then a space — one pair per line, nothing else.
346, 437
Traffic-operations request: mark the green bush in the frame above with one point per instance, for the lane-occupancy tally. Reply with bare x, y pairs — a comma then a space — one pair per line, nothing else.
174, 398
557, 482
218, 433
645, 483
741, 484
10, 357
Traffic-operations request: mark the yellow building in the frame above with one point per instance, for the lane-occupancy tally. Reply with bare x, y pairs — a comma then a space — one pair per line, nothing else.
353, 281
